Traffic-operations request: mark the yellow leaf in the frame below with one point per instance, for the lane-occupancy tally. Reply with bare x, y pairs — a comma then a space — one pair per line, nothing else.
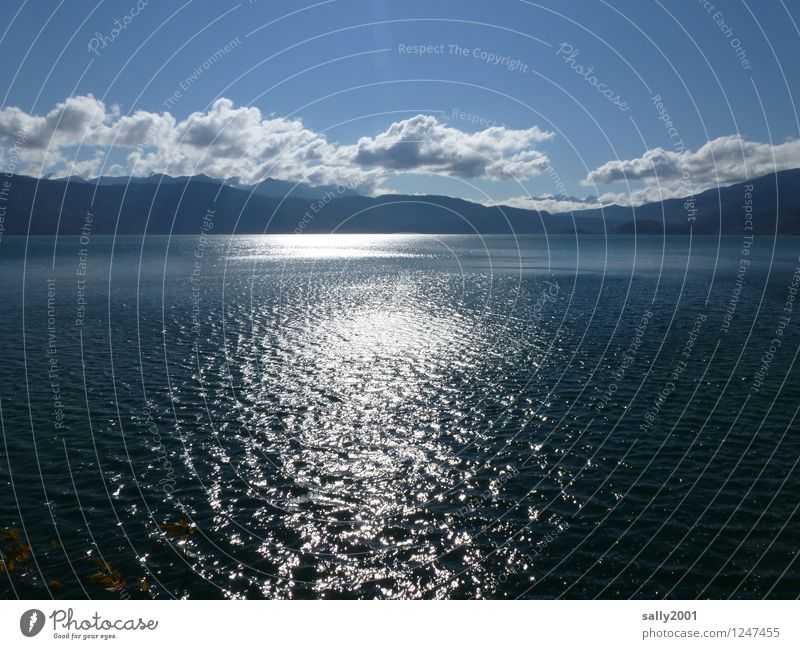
143, 585
20, 552
55, 583
110, 580
181, 529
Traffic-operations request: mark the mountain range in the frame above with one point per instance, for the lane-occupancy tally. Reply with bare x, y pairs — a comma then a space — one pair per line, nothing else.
162, 205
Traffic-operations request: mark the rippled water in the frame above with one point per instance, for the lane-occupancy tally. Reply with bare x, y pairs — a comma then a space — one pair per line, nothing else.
402, 416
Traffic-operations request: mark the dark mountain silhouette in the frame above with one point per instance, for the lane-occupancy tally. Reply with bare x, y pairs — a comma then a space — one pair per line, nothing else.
270, 187
179, 205
152, 179
279, 188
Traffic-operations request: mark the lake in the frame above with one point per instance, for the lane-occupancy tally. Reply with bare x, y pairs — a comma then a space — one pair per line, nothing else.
402, 416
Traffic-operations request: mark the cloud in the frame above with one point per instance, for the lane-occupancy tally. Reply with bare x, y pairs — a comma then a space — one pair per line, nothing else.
551, 204
227, 140
64, 124
666, 174
422, 144
40, 138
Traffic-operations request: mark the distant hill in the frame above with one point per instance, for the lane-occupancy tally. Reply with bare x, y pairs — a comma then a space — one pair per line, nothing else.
775, 197
178, 205
269, 187
280, 188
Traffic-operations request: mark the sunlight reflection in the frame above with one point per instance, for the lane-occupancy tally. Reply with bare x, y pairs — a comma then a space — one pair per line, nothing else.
330, 246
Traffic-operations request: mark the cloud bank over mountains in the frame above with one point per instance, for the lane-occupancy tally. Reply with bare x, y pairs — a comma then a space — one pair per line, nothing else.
659, 174
670, 174
225, 141
549, 203
84, 136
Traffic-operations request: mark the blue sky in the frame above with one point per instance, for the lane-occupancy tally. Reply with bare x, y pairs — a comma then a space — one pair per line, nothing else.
324, 75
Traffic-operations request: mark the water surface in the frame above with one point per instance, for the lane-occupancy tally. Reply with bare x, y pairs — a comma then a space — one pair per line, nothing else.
403, 416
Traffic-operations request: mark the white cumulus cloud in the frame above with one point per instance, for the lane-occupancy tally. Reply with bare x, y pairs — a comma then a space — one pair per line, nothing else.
422, 144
